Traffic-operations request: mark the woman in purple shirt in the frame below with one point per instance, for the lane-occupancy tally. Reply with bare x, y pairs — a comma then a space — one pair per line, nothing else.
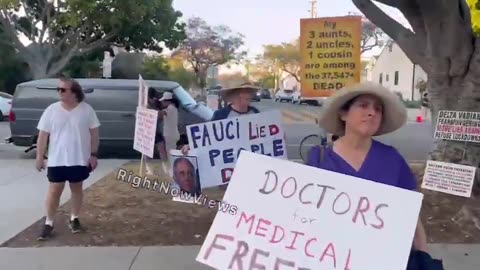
356, 115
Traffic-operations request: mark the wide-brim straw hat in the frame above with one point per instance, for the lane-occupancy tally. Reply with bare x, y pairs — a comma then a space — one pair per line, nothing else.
394, 111
227, 92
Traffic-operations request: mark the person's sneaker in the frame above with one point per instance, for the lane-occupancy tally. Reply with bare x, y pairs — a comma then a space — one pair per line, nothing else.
46, 233
74, 225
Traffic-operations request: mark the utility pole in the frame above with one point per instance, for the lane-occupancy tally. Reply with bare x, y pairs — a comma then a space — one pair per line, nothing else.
313, 9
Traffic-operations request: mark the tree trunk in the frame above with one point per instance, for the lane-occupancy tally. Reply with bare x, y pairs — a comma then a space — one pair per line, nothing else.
441, 41
38, 69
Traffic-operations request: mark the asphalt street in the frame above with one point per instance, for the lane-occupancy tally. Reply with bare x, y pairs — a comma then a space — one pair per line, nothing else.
413, 140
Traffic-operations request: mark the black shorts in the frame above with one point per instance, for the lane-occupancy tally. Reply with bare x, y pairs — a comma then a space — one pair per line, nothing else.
72, 174
159, 138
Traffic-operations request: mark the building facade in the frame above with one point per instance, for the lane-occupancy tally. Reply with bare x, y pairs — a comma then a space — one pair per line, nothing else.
394, 70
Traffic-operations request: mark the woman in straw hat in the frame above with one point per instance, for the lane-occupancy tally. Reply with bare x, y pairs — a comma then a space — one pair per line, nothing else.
357, 114
239, 99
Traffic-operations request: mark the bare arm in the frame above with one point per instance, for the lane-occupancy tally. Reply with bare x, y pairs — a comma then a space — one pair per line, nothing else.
42, 144
95, 140
161, 114
420, 239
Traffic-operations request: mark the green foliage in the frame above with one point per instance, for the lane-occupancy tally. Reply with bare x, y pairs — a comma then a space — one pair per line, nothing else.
80, 27
155, 68
475, 14
267, 81
285, 56
182, 76
12, 69
160, 68
208, 46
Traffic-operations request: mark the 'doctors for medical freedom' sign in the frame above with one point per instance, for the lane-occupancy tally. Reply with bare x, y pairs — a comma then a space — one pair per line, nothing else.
292, 216
217, 144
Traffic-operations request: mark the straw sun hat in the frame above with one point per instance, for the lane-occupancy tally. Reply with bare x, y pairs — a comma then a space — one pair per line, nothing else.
227, 92
394, 112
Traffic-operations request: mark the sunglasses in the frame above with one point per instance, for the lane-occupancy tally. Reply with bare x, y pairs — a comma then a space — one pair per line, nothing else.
61, 89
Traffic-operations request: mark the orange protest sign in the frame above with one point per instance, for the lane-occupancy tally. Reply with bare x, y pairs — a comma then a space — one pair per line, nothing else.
330, 54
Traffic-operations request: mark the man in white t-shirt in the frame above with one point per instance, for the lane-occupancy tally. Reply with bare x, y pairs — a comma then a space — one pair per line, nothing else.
70, 127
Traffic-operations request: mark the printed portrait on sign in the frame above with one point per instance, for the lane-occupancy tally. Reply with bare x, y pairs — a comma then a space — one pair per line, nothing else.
184, 172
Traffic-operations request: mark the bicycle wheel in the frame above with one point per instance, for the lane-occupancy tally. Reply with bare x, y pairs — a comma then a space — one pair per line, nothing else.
307, 143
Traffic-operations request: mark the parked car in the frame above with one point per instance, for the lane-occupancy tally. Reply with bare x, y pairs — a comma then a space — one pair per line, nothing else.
257, 97
265, 94
5, 105
284, 94
114, 100
314, 101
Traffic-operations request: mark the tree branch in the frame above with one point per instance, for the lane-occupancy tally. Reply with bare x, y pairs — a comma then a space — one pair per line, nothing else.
12, 33
59, 65
404, 37
445, 25
97, 44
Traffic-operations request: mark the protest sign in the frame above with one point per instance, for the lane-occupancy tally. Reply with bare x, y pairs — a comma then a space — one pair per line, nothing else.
330, 54
145, 130
218, 143
449, 178
458, 126
142, 92
292, 216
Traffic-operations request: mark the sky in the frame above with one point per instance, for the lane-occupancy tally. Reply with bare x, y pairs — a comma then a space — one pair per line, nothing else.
267, 21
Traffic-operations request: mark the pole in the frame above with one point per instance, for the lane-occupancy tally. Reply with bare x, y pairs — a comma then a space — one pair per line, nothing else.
141, 167
313, 9
413, 81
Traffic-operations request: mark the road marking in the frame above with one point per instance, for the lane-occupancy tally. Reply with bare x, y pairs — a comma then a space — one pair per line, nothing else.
311, 116
290, 117
301, 116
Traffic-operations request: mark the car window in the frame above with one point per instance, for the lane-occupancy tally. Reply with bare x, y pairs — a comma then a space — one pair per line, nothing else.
5, 95
184, 97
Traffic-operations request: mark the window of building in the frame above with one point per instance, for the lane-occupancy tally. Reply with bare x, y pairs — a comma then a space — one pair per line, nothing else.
387, 78
380, 79
396, 78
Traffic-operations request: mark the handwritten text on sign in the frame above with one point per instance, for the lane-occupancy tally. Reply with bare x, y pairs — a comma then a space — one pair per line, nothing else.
218, 143
330, 54
449, 178
292, 216
458, 126
145, 129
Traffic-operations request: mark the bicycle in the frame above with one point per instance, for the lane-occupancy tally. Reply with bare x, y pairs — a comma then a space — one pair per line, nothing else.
304, 148
308, 142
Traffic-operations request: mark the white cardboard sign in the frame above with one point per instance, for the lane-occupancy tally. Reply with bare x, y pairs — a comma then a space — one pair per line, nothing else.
218, 143
145, 130
458, 126
449, 178
292, 216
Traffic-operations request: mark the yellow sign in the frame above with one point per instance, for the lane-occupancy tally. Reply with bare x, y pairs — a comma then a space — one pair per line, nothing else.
330, 50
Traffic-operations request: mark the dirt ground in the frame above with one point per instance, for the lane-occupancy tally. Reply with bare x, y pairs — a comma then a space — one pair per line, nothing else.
117, 214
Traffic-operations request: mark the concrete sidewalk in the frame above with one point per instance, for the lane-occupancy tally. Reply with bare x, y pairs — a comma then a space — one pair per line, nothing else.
456, 257
23, 190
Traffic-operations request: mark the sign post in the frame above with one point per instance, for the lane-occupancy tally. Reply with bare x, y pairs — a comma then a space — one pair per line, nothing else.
145, 125
330, 54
